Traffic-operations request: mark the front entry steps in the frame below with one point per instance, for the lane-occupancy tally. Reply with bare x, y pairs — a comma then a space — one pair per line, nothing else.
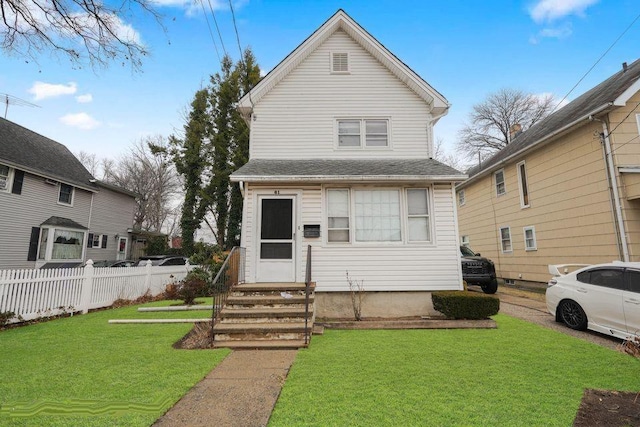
265, 316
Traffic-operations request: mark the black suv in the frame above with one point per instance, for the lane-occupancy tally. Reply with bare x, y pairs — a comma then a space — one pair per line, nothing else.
477, 270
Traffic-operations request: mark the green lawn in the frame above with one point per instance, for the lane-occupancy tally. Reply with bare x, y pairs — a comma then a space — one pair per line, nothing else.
125, 375
517, 375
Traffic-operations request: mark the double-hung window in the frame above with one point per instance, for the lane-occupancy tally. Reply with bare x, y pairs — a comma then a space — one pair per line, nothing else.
378, 215
505, 239
5, 177
522, 182
530, 239
65, 196
499, 181
363, 133
461, 198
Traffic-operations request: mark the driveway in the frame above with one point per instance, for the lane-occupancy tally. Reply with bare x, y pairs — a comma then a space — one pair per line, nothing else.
531, 306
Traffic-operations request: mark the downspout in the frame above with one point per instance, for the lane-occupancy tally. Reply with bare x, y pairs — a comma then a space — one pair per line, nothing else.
241, 185
608, 158
84, 248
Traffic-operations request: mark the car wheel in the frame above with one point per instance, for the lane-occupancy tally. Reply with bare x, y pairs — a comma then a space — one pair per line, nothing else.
573, 315
490, 288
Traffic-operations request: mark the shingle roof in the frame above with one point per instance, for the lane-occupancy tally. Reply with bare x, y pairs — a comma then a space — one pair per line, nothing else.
345, 169
58, 221
35, 153
599, 96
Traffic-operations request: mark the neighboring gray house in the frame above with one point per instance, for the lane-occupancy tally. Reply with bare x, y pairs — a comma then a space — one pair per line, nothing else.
53, 210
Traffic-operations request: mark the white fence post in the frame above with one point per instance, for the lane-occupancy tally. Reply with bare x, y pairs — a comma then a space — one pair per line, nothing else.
147, 278
87, 286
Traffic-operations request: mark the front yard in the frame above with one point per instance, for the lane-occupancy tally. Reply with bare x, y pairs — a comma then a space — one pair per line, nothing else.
118, 374
517, 375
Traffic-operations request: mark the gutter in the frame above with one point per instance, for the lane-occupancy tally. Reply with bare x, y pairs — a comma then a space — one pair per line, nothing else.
553, 134
341, 178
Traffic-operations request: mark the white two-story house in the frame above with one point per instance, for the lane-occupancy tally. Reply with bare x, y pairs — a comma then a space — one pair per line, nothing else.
341, 149
54, 212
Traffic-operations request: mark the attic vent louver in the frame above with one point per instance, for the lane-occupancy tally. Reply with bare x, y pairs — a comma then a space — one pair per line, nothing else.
340, 62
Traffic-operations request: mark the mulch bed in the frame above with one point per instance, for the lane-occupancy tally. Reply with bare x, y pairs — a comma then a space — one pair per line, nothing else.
608, 408
199, 337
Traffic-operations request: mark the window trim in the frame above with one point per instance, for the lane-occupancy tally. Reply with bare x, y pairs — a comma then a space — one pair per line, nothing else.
495, 182
404, 216
362, 133
48, 249
523, 185
332, 70
638, 122
73, 194
502, 241
10, 175
535, 239
461, 198
465, 240
348, 215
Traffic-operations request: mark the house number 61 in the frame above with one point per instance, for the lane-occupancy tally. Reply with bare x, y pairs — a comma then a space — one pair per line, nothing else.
276, 192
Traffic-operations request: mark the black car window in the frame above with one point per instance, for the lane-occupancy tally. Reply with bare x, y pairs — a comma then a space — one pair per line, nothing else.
174, 261
633, 276
606, 277
584, 277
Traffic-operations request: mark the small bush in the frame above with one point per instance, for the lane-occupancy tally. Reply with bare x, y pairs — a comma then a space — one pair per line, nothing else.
191, 288
5, 316
171, 291
465, 305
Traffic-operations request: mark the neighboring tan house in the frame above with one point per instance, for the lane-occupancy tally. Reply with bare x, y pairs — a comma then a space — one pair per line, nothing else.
565, 191
53, 211
340, 159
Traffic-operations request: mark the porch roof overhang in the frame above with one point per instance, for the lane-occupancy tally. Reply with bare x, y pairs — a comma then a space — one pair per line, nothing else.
344, 170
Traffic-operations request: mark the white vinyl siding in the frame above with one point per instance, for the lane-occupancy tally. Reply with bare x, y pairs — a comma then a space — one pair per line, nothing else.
530, 243
505, 239
382, 266
498, 177
297, 118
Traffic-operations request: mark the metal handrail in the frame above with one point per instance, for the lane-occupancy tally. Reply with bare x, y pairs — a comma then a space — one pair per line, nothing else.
230, 274
307, 282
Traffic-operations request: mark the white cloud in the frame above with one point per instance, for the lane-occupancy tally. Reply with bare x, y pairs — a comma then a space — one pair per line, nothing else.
559, 33
80, 120
41, 90
84, 99
550, 10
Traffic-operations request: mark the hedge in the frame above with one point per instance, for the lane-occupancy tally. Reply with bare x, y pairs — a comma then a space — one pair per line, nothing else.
465, 304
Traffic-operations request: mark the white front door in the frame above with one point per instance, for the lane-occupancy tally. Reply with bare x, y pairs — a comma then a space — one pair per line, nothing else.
123, 242
276, 239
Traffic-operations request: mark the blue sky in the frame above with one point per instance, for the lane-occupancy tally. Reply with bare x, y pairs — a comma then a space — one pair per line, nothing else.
465, 49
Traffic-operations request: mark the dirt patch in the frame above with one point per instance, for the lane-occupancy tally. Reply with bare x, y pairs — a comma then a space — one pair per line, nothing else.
608, 408
199, 337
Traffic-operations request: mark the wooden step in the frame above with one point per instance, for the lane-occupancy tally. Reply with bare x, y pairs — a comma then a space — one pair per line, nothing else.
266, 299
272, 287
258, 328
270, 312
256, 345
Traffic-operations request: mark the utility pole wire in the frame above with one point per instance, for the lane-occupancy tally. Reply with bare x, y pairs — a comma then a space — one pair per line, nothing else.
210, 31
215, 21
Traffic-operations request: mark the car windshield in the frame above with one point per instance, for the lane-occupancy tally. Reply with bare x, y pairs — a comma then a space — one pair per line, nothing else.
466, 251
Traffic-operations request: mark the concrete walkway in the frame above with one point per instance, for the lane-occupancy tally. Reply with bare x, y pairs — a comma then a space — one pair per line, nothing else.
241, 391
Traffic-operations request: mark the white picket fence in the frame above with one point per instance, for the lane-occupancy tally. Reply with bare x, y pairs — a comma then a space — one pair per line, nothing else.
34, 293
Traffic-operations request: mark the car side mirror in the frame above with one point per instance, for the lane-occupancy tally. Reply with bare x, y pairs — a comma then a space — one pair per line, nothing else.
477, 253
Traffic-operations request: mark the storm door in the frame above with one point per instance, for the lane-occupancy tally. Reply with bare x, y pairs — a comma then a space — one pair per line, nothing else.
276, 243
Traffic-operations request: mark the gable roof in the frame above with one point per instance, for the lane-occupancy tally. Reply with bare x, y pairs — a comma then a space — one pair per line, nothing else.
26, 150
611, 93
340, 20
333, 170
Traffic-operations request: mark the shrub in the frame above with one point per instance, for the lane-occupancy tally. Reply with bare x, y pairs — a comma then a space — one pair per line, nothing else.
465, 305
5, 316
191, 288
631, 346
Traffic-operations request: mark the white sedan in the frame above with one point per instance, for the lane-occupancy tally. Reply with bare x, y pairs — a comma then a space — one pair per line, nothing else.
604, 297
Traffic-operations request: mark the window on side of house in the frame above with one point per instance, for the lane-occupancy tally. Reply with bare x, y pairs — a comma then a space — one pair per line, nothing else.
461, 198
338, 215
339, 62
505, 239
363, 133
638, 122
5, 177
95, 240
377, 216
418, 215
65, 196
522, 182
60, 244
464, 241
530, 243
499, 180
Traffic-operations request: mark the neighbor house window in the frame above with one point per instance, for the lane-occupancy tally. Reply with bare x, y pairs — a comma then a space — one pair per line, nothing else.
505, 239
530, 239
339, 62
363, 133
5, 178
638, 121
418, 215
377, 214
66, 194
499, 178
338, 215
461, 198
522, 181
464, 241
95, 240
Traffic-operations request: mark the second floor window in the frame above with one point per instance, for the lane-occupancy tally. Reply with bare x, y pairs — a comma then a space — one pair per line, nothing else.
66, 194
4, 178
363, 133
500, 186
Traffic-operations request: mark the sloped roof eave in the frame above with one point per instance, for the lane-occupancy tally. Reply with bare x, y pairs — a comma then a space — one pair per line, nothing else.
345, 178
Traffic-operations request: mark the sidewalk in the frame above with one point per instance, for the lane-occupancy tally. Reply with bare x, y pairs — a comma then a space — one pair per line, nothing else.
240, 391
